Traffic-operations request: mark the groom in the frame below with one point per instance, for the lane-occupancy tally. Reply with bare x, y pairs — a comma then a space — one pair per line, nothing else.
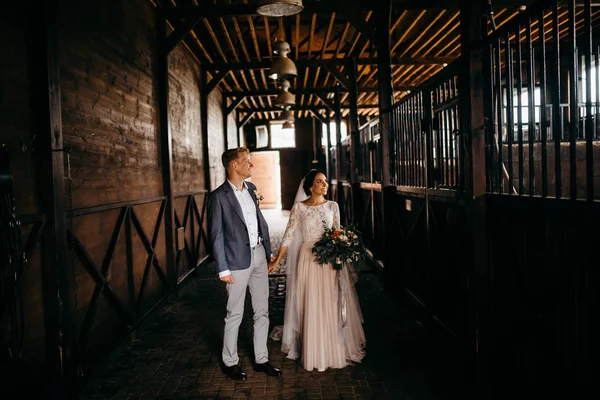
240, 246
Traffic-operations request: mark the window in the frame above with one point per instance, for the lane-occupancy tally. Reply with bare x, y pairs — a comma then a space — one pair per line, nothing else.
593, 75
262, 136
525, 106
282, 138
333, 127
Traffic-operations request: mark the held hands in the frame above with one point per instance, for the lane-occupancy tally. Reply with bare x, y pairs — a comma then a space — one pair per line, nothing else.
273, 264
227, 279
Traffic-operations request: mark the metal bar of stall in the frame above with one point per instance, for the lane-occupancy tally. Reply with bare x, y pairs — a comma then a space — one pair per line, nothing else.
397, 150
460, 138
393, 133
402, 143
402, 158
406, 140
489, 131
411, 148
500, 111
597, 99
420, 116
589, 128
407, 137
438, 141
418, 139
573, 102
543, 116
520, 112
447, 166
456, 139
452, 141
531, 108
510, 131
557, 128
412, 127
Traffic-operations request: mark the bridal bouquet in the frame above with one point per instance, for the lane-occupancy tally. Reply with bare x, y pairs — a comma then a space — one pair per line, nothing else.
339, 245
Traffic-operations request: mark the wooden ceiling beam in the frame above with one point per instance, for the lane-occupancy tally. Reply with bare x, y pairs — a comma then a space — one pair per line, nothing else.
211, 10
330, 62
321, 90
181, 32
300, 108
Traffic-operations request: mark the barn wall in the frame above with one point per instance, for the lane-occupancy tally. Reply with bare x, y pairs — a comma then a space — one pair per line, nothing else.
107, 54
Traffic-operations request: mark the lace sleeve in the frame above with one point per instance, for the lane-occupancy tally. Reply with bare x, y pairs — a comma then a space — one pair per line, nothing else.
292, 224
336, 214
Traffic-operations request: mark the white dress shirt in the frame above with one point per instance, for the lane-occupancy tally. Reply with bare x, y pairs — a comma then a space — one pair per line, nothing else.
248, 206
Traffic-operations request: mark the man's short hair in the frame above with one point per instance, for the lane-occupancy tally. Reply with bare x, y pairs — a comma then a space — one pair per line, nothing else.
232, 155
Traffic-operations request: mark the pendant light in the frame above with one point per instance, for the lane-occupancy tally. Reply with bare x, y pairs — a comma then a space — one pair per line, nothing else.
279, 8
285, 98
282, 67
287, 115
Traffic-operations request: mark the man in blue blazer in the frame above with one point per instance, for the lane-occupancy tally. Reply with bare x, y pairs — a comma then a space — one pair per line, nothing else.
241, 248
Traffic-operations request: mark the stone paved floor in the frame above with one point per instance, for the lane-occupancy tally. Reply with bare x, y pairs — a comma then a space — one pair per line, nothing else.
176, 355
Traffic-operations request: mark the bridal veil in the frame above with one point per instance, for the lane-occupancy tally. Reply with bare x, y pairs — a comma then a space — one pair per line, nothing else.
291, 335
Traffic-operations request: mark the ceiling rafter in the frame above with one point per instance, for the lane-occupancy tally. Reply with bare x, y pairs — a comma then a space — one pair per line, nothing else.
425, 37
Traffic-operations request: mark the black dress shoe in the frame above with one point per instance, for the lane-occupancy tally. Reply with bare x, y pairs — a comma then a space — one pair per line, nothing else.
267, 368
235, 373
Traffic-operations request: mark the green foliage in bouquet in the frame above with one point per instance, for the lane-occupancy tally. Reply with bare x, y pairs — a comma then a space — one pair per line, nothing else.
338, 245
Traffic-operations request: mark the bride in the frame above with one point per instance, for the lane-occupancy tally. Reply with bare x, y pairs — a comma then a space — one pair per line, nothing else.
323, 319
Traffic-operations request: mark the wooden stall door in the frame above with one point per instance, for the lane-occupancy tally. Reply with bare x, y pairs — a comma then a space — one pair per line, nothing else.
264, 176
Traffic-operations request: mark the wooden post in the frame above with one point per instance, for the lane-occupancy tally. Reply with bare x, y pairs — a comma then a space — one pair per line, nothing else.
354, 126
384, 75
225, 117
166, 147
473, 121
204, 126
386, 96
239, 129
328, 159
58, 274
338, 148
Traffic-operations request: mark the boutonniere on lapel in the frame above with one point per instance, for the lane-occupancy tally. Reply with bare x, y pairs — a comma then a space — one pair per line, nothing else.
258, 196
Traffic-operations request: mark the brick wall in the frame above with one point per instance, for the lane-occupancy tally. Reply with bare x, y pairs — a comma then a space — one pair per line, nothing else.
216, 141
184, 121
109, 106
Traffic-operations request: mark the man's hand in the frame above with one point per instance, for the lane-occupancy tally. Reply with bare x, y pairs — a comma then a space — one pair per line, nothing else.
227, 278
272, 259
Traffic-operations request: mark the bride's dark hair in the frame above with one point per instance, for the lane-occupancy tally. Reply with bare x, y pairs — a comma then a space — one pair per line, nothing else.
309, 179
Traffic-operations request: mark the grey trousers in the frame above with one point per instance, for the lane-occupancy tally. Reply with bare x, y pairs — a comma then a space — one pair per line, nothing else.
257, 278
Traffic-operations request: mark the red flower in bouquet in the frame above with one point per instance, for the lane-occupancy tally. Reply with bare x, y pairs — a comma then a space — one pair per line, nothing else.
338, 246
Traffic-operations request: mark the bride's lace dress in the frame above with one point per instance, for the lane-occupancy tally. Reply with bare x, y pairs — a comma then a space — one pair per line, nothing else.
321, 342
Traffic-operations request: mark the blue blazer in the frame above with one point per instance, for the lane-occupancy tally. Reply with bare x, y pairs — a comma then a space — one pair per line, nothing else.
228, 231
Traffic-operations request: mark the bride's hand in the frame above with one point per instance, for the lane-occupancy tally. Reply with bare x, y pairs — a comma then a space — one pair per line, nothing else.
273, 266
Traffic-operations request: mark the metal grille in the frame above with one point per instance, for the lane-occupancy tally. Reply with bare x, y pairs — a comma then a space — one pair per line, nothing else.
542, 126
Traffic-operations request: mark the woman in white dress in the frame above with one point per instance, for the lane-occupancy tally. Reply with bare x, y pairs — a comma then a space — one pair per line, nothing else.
323, 319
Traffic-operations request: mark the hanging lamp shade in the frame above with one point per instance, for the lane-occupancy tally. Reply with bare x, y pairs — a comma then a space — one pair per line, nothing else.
282, 67
285, 98
287, 125
279, 8
287, 115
